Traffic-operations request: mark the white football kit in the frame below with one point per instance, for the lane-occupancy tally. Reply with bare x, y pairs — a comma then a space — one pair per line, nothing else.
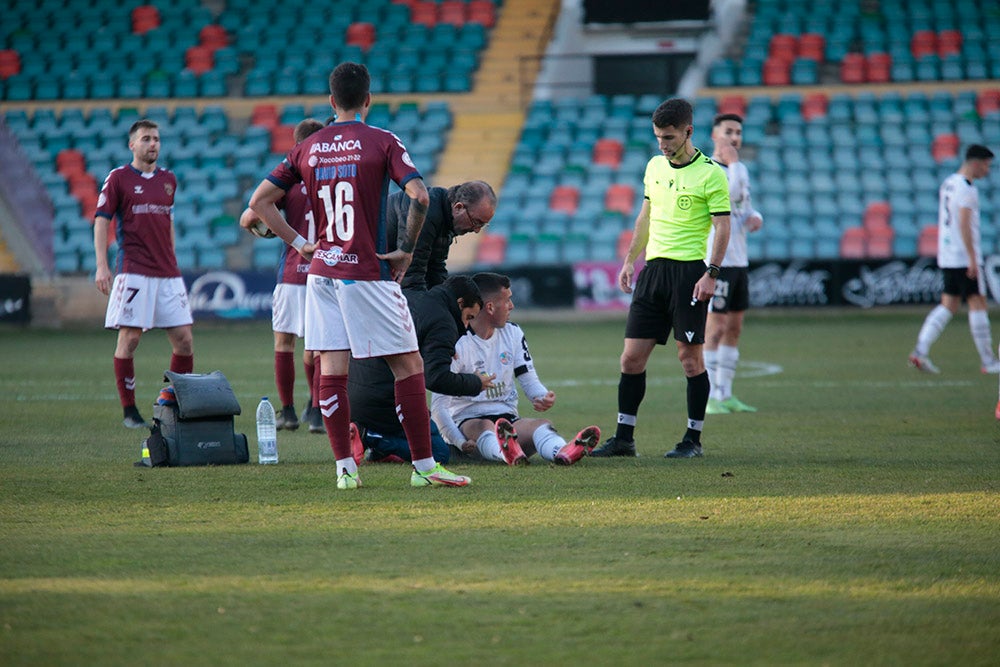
740, 209
504, 354
955, 194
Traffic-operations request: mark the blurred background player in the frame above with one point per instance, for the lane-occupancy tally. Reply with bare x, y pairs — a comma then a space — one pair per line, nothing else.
732, 288
960, 259
148, 291
452, 212
440, 315
354, 304
288, 302
487, 423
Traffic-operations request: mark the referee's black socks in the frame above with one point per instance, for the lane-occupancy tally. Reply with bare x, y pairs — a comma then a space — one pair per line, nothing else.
698, 390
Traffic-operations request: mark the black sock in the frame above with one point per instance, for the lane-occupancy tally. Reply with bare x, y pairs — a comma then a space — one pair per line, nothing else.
698, 388
631, 390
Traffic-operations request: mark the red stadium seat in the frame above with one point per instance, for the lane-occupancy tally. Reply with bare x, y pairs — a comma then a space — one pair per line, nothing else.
145, 18
945, 146
783, 47
777, 72
10, 63
213, 36
812, 46
424, 13
492, 249
876, 216
880, 242
853, 243
282, 139
609, 152
564, 198
949, 42
923, 43
624, 241
483, 12
927, 242
70, 161
199, 59
878, 67
264, 114
988, 102
733, 104
853, 68
814, 105
453, 12
620, 197
361, 34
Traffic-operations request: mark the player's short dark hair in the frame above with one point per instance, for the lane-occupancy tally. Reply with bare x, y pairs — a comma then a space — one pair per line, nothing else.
306, 127
490, 284
466, 290
978, 152
142, 124
723, 117
350, 84
471, 193
675, 112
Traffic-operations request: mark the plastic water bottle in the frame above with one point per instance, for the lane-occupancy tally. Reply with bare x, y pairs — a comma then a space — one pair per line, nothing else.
267, 436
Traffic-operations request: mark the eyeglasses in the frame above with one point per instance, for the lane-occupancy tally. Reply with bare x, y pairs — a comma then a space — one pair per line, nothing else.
476, 224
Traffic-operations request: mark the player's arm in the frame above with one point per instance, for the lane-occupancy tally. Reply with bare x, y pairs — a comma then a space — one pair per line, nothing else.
640, 235
400, 258
102, 277
438, 349
965, 229
441, 413
263, 203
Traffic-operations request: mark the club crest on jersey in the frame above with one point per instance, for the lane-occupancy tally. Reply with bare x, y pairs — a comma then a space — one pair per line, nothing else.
169, 189
505, 358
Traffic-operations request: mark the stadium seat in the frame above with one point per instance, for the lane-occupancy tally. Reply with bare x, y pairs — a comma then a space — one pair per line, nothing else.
927, 242
609, 152
853, 243
492, 249
621, 198
361, 34
564, 198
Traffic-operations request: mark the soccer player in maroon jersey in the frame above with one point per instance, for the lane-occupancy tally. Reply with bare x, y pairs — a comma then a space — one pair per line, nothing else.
147, 290
289, 301
354, 303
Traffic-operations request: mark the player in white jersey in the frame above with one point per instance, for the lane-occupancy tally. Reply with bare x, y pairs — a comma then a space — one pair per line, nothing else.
960, 259
732, 287
488, 424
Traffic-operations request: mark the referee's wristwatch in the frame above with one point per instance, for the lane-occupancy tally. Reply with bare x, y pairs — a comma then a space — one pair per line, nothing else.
713, 271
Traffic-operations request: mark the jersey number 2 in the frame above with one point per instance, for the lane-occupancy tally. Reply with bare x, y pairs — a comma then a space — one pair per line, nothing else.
339, 211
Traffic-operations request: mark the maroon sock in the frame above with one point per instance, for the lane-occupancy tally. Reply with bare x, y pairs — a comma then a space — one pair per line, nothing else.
315, 382
284, 376
125, 379
411, 406
182, 363
308, 366
336, 412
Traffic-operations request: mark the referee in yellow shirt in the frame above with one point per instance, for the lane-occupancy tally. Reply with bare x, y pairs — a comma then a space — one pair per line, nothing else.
685, 194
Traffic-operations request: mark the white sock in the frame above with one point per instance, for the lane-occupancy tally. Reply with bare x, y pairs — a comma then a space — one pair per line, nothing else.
425, 465
712, 366
934, 324
349, 464
489, 446
729, 356
548, 442
979, 327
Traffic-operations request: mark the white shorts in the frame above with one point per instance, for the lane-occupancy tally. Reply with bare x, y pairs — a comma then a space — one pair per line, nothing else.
288, 309
369, 317
147, 303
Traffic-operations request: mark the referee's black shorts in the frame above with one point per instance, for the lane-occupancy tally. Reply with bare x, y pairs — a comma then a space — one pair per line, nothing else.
662, 301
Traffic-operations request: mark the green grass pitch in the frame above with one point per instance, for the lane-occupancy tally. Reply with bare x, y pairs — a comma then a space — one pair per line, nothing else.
854, 520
